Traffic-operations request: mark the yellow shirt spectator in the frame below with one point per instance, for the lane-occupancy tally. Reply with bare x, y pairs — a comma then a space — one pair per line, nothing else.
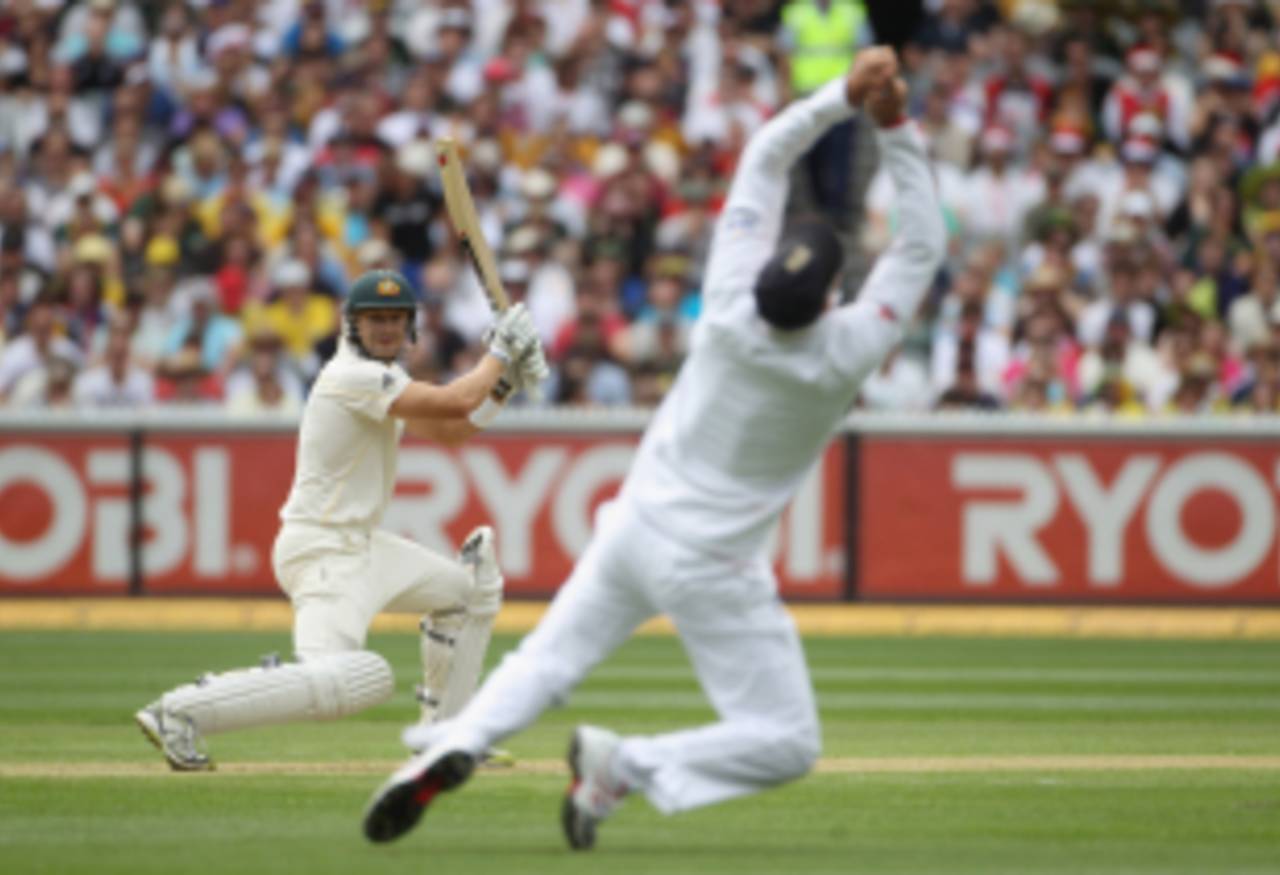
300, 317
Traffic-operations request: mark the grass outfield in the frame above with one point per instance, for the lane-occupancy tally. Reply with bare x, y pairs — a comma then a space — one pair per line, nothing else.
941, 755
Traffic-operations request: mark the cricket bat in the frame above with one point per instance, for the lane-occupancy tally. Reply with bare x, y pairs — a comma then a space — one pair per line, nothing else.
466, 224
462, 215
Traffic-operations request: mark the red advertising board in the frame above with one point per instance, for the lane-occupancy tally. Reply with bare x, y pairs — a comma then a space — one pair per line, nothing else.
210, 501
1124, 520
64, 513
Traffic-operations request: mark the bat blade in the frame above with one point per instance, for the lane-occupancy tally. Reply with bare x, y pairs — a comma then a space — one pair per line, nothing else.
466, 224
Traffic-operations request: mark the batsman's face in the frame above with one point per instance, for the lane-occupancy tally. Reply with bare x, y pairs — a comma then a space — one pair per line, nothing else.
383, 332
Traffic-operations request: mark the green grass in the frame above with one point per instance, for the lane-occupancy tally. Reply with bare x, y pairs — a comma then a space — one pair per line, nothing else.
67, 698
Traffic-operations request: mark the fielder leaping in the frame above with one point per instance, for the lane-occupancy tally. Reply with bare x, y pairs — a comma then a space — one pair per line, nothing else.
337, 567
768, 380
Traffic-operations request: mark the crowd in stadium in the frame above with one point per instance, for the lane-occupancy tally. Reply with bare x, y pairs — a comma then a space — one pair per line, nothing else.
188, 188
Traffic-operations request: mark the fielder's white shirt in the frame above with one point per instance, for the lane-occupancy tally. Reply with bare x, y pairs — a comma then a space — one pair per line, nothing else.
346, 465
753, 406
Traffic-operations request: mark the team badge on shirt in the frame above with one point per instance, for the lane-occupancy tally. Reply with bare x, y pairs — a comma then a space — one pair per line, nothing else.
740, 219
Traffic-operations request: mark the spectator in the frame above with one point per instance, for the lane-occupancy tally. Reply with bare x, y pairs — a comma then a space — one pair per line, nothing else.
266, 383
1261, 391
441, 353
302, 319
1118, 351
203, 328
998, 194
971, 345
964, 391
48, 386
184, 381
585, 374
1123, 300
544, 284
408, 208
31, 352
660, 333
117, 381
1047, 355
1094, 159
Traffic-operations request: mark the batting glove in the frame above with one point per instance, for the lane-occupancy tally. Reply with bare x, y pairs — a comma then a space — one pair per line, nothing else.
532, 371
513, 335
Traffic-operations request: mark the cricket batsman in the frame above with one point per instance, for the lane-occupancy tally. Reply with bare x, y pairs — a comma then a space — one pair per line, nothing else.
773, 371
338, 568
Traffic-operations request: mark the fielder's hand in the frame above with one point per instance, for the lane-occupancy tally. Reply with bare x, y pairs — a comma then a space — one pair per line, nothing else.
872, 69
887, 105
513, 335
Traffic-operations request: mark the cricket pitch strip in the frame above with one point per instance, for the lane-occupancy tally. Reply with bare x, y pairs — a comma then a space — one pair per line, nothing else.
826, 766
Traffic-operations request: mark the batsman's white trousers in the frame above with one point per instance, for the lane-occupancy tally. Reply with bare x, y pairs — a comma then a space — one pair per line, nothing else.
339, 579
741, 641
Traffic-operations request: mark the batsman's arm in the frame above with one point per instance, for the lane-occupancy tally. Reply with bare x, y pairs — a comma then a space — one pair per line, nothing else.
449, 432
455, 400
453, 431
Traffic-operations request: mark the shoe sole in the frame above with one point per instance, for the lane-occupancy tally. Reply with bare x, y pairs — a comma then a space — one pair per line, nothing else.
579, 831
151, 735
398, 807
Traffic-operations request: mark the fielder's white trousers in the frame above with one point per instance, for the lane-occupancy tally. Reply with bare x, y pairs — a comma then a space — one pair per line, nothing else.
742, 643
340, 579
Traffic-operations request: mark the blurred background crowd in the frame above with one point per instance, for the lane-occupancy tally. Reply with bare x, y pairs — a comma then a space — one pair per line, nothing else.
188, 188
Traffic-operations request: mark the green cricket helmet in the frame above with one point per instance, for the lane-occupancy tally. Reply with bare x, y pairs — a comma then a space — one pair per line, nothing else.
379, 290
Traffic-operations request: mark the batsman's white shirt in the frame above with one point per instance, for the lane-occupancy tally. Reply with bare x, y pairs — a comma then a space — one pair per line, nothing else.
753, 406
330, 558
346, 466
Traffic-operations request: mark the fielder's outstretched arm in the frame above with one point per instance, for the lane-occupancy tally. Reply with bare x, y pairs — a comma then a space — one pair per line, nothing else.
902, 275
748, 229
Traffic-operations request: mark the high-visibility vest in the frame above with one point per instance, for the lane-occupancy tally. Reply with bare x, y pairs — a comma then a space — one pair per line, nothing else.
824, 42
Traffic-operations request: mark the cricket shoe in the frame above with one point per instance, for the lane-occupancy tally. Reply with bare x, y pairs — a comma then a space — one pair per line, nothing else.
400, 802
593, 793
479, 553
176, 737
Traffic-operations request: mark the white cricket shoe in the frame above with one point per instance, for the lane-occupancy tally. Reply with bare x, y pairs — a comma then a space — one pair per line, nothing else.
593, 794
176, 736
479, 553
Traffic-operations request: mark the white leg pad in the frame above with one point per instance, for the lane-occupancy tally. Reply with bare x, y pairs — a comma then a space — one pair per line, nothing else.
453, 649
320, 688
439, 637
470, 643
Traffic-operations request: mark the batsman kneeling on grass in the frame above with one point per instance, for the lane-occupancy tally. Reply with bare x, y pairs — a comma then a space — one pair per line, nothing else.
772, 373
338, 568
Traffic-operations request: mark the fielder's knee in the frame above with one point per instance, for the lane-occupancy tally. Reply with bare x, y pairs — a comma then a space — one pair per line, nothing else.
795, 749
